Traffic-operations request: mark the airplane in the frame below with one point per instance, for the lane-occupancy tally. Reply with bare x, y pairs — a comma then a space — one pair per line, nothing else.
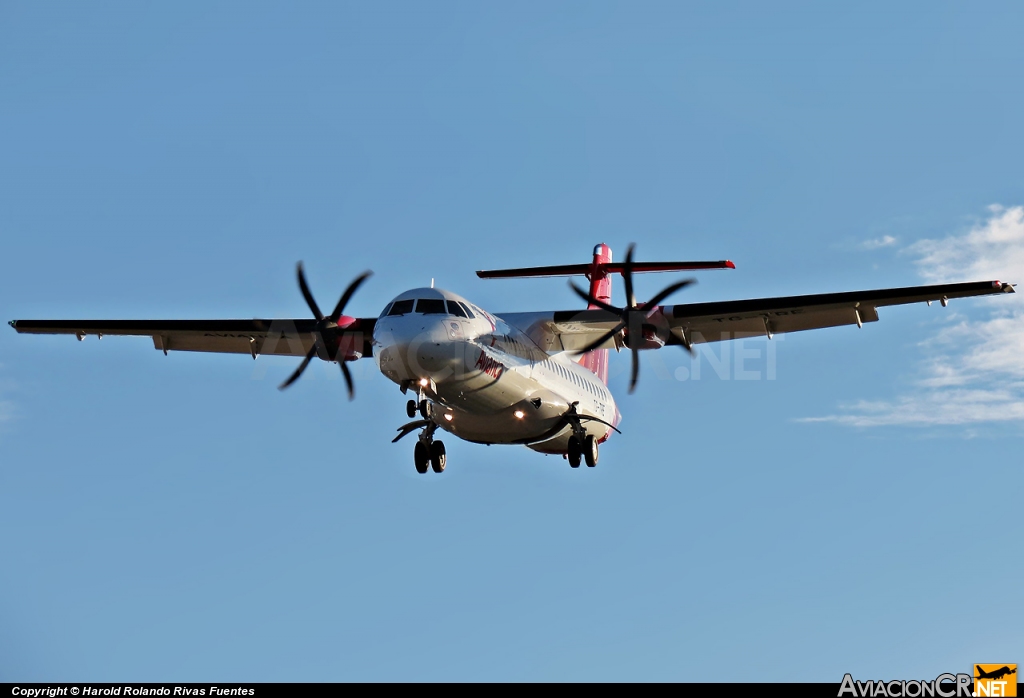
995, 674
537, 379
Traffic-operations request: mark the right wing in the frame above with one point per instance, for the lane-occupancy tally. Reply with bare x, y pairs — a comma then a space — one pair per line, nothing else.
282, 337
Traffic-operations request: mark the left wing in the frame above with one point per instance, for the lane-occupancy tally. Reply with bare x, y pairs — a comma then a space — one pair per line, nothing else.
282, 337
694, 323
713, 322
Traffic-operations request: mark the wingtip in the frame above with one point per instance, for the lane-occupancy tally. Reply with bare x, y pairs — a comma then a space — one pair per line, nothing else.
729, 264
13, 323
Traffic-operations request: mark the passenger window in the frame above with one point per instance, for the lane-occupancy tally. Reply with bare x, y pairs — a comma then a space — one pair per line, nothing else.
469, 313
401, 308
431, 306
456, 309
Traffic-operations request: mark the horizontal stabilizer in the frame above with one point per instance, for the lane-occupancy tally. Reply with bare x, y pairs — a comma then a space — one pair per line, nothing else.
602, 269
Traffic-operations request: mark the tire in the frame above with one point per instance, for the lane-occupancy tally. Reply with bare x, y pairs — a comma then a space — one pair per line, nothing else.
424, 407
422, 457
410, 408
575, 452
438, 457
590, 451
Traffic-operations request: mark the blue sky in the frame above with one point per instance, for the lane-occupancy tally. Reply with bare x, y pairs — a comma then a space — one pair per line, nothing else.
179, 518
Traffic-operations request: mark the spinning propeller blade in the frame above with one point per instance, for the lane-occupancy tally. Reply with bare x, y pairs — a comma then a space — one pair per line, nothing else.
327, 334
632, 316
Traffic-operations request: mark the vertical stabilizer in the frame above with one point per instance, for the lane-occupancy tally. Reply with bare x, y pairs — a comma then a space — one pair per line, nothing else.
599, 271
601, 289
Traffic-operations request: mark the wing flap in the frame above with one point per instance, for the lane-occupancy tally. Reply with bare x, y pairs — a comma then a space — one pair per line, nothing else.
700, 330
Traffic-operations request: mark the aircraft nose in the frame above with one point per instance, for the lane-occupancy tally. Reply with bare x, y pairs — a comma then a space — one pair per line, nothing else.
422, 350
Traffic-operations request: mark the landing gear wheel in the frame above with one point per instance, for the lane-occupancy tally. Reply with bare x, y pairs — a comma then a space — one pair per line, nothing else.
438, 457
422, 456
575, 452
424, 409
590, 451
410, 408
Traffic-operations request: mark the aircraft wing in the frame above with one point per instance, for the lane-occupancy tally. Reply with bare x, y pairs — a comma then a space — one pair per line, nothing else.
282, 337
694, 323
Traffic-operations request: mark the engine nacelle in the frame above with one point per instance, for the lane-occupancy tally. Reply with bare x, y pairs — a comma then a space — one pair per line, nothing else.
649, 338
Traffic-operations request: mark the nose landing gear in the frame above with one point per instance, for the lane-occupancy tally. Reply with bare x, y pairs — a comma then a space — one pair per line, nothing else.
422, 407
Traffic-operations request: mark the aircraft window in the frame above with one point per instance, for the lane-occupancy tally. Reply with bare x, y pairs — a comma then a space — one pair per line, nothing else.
386, 309
469, 313
430, 306
456, 309
401, 308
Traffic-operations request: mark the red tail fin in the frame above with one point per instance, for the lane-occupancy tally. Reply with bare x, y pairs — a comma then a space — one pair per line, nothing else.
601, 289
599, 272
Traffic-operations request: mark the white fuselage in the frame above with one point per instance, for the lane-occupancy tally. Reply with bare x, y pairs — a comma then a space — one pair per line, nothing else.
486, 380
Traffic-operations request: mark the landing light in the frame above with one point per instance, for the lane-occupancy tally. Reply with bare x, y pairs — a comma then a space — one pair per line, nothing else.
424, 382
448, 416
519, 414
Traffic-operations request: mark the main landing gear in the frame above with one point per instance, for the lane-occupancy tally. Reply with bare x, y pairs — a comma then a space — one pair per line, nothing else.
427, 454
582, 446
582, 449
430, 454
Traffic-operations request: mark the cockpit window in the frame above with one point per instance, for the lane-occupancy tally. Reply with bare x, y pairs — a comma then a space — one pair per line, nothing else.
401, 308
469, 313
455, 309
431, 306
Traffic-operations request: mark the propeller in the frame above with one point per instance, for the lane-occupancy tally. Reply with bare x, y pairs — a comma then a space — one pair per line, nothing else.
328, 331
632, 316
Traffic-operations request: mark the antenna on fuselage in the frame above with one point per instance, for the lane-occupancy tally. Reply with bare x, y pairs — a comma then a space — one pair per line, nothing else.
431, 282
